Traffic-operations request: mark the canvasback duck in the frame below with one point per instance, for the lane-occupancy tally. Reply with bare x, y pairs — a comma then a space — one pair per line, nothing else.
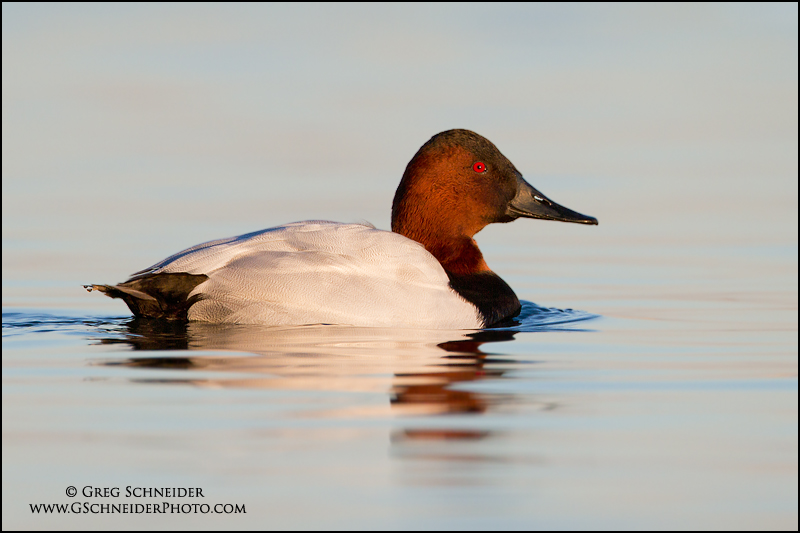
426, 273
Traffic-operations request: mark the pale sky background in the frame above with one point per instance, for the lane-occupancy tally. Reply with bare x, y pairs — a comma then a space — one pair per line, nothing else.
133, 131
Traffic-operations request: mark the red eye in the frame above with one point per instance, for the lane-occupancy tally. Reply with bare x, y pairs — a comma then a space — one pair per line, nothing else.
479, 167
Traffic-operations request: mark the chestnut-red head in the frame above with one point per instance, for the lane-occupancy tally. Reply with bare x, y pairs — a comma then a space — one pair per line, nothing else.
455, 185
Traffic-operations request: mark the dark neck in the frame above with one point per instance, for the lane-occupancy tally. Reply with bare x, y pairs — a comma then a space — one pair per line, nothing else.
487, 291
457, 252
471, 278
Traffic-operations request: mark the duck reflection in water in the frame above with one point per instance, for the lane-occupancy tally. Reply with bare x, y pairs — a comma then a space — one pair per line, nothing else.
418, 368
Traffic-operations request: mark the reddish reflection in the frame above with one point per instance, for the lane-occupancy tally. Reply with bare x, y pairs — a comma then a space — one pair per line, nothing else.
418, 369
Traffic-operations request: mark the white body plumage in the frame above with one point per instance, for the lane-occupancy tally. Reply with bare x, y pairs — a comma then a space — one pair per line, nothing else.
319, 272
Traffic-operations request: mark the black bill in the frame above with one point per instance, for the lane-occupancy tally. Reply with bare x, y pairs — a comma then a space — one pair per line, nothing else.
532, 204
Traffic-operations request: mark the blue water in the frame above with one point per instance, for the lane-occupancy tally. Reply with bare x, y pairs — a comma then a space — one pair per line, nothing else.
506, 428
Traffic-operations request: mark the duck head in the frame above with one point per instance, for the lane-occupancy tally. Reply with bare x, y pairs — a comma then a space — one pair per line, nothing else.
455, 185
